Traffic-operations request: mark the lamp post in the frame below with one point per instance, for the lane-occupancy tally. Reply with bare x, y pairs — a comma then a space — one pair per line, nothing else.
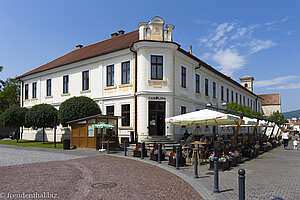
55, 124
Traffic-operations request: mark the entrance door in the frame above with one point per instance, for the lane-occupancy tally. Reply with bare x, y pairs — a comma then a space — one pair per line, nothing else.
156, 118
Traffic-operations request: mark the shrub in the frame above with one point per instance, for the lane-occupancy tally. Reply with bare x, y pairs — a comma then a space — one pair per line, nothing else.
76, 108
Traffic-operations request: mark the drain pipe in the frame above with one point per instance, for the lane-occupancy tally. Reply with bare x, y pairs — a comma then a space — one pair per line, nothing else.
135, 91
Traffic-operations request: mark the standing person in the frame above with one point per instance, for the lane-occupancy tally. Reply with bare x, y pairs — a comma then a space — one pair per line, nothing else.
295, 144
285, 137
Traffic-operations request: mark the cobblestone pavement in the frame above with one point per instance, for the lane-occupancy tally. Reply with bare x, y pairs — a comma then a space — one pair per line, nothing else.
275, 173
73, 179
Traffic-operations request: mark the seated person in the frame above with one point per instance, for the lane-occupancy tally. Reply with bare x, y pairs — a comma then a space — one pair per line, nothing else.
190, 139
186, 135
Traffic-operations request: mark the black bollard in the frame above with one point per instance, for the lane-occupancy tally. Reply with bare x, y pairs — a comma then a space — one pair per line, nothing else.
241, 173
216, 175
177, 157
125, 149
107, 146
195, 164
159, 154
142, 150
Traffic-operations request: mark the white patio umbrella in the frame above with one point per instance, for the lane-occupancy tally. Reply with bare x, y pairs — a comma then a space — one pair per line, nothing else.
103, 125
204, 117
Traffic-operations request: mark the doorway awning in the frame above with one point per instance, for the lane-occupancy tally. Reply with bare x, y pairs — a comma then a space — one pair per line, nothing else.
204, 117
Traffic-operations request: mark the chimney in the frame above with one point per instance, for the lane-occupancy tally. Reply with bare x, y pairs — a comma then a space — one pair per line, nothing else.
113, 35
121, 32
190, 49
79, 46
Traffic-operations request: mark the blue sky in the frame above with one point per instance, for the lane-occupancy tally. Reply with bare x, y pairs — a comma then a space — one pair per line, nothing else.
232, 36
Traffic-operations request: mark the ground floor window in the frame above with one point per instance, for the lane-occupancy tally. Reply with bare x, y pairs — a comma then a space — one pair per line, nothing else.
126, 115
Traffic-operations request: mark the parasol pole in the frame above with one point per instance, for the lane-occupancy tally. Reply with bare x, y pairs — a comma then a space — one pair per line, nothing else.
102, 148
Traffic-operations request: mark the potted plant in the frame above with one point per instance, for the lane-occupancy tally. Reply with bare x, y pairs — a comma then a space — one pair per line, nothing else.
264, 147
137, 151
238, 156
172, 160
223, 161
154, 154
269, 145
232, 159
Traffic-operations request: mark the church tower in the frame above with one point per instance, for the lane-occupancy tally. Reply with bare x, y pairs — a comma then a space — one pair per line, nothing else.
247, 82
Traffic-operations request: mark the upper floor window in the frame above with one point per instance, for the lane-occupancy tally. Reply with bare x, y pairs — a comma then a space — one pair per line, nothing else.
110, 79
110, 110
251, 104
244, 100
222, 93
227, 95
66, 84
126, 115
206, 87
125, 72
246, 85
34, 90
183, 77
157, 67
236, 97
248, 102
214, 90
26, 91
48, 87
85, 80
232, 99
197, 83
183, 110
240, 99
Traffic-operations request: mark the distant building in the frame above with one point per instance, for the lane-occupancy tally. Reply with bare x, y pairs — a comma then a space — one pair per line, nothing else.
271, 103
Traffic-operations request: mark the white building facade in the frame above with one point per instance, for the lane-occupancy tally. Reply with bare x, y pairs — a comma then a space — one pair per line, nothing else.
142, 76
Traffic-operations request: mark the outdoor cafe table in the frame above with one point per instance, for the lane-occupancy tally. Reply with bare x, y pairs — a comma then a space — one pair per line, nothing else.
198, 143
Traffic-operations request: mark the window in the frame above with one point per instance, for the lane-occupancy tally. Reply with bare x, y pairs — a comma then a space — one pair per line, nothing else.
248, 102
34, 90
66, 84
206, 87
222, 93
251, 105
110, 75
240, 99
85, 80
126, 115
125, 72
236, 97
197, 83
259, 110
214, 90
48, 87
246, 85
183, 77
227, 94
232, 99
157, 67
244, 100
26, 91
110, 110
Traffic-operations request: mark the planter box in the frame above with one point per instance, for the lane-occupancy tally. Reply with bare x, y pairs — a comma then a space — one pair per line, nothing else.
155, 157
182, 161
221, 165
238, 159
138, 153
233, 162
248, 154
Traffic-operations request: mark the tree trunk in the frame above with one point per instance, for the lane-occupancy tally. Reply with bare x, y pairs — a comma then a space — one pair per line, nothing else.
43, 135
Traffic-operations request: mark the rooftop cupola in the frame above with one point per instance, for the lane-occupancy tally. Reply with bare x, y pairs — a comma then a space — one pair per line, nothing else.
154, 30
247, 82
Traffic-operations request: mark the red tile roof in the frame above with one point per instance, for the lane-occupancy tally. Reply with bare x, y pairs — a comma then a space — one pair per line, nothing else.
296, 123
270, 99
90, 51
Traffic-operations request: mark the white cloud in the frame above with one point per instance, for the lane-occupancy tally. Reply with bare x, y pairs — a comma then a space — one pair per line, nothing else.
229, 60
276, 81
258, 45
276, 21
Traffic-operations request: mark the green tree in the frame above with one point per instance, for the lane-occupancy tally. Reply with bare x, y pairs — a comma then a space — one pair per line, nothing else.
243, 109
41, 116
14, 117
9, 93
277, 117
76, 108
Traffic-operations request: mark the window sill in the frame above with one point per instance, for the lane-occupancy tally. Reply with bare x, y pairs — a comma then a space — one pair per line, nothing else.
65, 94
184, 88
125, 85
34, 99
48, 97
157, 83
110, 87
85, 91
125, 128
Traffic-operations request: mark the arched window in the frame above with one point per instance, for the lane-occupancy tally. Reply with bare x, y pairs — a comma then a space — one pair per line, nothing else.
246, 85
